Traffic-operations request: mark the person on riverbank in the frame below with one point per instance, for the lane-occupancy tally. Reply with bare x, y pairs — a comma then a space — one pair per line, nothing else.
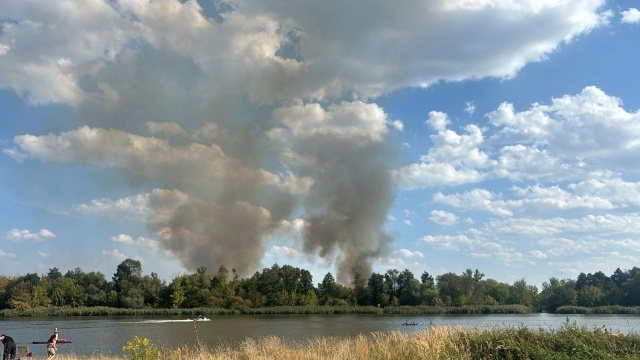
52, 346
9, 347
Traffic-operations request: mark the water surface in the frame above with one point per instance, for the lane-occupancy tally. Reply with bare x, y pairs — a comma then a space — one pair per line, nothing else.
107, 335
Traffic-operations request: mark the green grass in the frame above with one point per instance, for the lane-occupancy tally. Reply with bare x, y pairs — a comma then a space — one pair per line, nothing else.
569, 342
474, 309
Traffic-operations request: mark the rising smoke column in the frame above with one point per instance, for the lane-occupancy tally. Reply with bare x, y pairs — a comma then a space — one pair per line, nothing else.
207, 86
344, 151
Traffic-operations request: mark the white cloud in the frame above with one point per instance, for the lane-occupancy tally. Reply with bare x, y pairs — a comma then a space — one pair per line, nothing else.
26, 235
242, 52
570, 139
134, 206
356, 120
476, 246
140, 241
115, 254
43, 254
478, 199
537, 254
453, 159
592, 227
397, 124
443, 217
4, 254
408, 222
284, 251
589, 130
469, 107
630, 16
15, 154
446, 241
409, 254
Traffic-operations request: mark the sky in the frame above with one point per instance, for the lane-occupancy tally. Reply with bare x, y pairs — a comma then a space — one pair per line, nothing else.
342, 137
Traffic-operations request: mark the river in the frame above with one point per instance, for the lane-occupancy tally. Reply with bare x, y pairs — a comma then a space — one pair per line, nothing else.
107, 335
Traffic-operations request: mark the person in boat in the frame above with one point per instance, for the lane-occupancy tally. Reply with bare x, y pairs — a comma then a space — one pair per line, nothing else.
9, 347
52, 347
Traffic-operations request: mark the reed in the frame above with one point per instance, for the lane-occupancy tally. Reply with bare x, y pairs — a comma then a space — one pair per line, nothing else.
613, 309
311, 309
435, 343
110, 311
458, 310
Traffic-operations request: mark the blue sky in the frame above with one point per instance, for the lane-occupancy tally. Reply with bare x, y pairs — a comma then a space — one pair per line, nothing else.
429, 135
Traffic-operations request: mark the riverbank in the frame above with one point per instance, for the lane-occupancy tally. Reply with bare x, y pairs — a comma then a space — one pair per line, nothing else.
568, 342
279, 310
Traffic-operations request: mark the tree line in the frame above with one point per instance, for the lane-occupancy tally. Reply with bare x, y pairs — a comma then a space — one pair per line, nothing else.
291, 286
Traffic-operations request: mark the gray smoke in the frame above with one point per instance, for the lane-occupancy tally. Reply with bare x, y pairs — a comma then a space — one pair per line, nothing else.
210, 119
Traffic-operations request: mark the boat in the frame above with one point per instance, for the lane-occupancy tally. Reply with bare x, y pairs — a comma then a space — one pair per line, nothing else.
60, 341
412, 323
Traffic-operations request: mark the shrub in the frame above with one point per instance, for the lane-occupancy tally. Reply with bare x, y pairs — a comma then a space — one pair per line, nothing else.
140, 349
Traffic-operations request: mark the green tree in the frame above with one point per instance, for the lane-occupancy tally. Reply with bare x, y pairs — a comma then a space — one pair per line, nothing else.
522, 294
127, 283
327, 289
20, 296
556, 293
375, 284
590, 296
408, 288
360, 289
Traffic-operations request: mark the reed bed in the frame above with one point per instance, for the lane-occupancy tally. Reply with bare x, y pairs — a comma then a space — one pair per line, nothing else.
458, 310
311, 309
111, 311
435, 343
613, 309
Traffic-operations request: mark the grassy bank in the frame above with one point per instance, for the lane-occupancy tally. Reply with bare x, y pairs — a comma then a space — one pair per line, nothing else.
279, 310
459, 310
622, 310
569, 342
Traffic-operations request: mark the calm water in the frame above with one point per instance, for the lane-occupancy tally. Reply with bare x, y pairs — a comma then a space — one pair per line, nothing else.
107, 335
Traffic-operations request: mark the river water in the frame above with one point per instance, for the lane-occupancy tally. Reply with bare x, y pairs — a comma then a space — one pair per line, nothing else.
107, 335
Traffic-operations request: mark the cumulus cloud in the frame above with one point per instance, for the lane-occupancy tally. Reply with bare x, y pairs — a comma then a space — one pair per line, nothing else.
115, 254
263, 112
453, 159
129, 240
409, 254
330, 59
443, 217
134, 206
26, 235
630, 16
589, 130
479, 199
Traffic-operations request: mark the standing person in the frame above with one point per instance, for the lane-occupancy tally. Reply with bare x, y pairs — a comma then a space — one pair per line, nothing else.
9, 347
51, 345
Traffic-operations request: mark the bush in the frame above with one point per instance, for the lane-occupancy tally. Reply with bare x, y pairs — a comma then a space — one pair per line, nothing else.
140, 349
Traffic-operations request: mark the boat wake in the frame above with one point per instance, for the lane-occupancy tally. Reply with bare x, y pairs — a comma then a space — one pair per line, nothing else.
167, 321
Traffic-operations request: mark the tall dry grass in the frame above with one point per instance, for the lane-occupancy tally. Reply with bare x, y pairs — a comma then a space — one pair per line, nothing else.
434, 343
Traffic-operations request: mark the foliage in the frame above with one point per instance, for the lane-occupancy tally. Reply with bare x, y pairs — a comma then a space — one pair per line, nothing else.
458, 310
140, 349
468, 292
568, 342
